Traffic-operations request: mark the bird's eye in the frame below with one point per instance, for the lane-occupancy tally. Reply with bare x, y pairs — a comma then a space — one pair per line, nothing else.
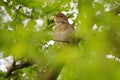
61, 16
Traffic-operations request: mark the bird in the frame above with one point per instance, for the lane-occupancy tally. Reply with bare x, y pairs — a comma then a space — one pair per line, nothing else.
63, 30
62, 33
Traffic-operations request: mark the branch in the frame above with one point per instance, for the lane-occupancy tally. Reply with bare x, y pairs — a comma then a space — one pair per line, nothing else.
15, 67
115, 10
53, 75
18, 10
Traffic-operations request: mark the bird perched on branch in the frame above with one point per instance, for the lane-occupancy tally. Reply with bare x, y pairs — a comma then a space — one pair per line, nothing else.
63, 29
62, 34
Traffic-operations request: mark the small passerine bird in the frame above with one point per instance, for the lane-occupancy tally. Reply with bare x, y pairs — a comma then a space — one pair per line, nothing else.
63, 29
62, 34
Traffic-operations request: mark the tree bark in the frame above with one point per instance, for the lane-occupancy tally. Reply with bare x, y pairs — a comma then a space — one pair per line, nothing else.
54, 73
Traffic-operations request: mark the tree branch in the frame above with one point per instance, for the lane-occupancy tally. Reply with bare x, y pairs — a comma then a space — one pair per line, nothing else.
115, 10
53, 75
15, 67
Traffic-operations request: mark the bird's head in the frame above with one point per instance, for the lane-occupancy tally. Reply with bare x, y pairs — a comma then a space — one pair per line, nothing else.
60, 18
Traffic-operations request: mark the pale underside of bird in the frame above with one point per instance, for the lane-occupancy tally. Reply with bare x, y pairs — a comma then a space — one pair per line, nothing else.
63, 30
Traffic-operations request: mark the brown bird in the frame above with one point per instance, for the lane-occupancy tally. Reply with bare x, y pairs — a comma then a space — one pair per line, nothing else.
62, 34
63, 29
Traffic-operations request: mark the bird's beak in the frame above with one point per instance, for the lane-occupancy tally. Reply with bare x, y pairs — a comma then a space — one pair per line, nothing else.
56, 17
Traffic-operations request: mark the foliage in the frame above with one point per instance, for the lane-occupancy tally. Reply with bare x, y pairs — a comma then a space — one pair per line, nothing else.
97, 26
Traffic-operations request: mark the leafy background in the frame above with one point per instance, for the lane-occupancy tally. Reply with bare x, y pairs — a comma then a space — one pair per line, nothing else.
28, 29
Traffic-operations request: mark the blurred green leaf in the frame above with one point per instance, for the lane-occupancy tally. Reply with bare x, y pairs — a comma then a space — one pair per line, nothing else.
98, 29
